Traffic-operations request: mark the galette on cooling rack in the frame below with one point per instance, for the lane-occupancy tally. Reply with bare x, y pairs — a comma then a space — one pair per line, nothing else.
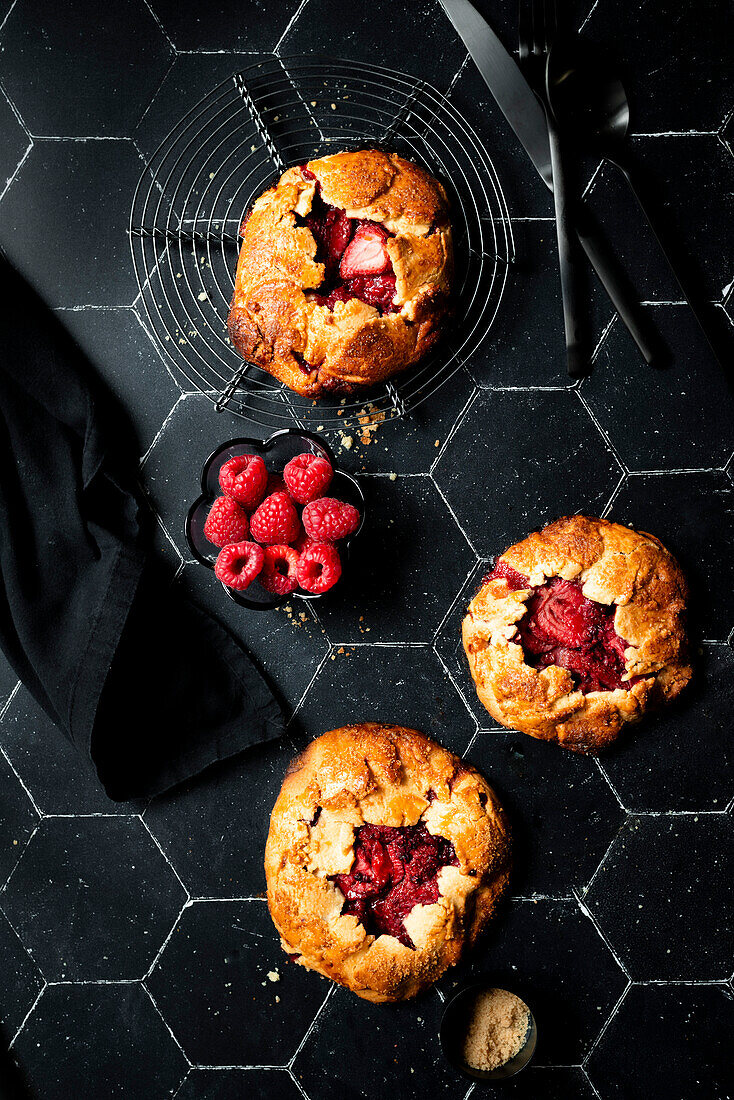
578, 630
344, 273
386, 856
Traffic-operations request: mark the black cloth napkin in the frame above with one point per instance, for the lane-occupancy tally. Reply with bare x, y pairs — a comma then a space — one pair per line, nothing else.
149, 688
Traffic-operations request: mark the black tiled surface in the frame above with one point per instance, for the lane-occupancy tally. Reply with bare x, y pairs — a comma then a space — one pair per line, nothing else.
422, 695
63, 222
563, 813
109, 874
233, 1084
57, 69
664, 897
680, 417
97, 1040
693, 514
218, 959
550, 954
18, 818
539, 456
93, 897
684, 1053
213, 835
683, 760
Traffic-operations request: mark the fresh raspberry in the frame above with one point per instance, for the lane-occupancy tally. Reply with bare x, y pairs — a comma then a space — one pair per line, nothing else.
279, 570
275, 521
307, 477
244, 478
302, 542
327, 519
226, 522
239, 563
319, 567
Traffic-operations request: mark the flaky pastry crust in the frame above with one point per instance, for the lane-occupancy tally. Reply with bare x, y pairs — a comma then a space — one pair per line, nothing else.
382, 775
274, 321
616, 566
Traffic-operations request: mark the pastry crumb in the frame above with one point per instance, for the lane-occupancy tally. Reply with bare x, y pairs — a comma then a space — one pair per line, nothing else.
273, 976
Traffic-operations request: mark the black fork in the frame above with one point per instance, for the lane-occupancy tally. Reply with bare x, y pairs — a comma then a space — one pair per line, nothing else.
538, 26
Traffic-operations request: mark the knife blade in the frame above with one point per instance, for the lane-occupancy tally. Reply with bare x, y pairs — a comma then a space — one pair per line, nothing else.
525, 114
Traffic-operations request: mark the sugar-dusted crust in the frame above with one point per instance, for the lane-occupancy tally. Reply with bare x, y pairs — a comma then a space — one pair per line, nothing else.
315, 350
381, 775
615, 566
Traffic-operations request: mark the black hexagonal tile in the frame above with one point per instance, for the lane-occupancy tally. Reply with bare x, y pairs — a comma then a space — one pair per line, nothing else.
526, 347
394, 587
435, 53
92, 898
686, 181
288, 643
563, 813
216, 962
675, 70
664, 895
15, 142
520, 459
351, 687
449, 646
119, 348
693, 514
57, 64
58, 778
234, 1084
214, 828
526, 194
173, 468
8, 679
658, 420
220, 26
550, 1083
409, 445
550, 954
686, 1026
98, 1040
376, 1050
67, 211
18, 819
22, 982
681, 759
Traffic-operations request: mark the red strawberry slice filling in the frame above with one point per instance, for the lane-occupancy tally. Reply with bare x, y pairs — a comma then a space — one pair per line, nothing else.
562, 627
395, 868
356, 263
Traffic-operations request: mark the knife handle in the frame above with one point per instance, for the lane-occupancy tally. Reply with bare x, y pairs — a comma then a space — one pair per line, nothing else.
568, 261
618, 288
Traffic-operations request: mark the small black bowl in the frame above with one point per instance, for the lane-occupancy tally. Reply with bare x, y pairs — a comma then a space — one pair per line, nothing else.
277, 450
453, 1029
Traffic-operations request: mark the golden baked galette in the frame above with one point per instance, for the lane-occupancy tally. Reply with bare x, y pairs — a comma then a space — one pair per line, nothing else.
386, 856
344, 272
577, 630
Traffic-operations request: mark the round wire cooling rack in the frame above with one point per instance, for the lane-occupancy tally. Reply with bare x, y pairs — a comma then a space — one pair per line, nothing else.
234, 143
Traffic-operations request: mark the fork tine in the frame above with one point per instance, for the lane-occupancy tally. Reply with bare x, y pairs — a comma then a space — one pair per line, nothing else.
551, 22
538, 27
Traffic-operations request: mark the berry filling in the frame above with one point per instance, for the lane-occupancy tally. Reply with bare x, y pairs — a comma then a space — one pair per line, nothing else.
356, 263
395, 869
563, 627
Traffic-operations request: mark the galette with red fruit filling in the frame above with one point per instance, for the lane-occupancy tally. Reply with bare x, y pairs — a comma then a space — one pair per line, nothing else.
386, 856
578, 630
344, 272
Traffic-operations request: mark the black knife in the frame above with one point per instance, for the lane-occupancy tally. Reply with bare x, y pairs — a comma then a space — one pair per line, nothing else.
522, 109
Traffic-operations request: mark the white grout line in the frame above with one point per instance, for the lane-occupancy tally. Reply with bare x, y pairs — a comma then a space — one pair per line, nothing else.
166, 1024
311, 1026
157, 20
163, 946
602, 935
155, 840
289, 27
11, 179
30, 1010
606, 1024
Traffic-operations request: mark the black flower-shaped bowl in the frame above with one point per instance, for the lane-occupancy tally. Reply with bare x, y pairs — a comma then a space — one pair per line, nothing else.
276, 451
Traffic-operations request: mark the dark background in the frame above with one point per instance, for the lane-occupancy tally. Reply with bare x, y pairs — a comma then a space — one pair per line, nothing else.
135, 944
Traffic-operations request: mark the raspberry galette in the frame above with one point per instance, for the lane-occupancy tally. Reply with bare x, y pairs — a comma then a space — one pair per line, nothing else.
343, 274
577, 630
386, 856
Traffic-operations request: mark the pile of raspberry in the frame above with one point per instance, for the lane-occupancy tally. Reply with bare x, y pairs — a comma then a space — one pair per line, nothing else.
278, 529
